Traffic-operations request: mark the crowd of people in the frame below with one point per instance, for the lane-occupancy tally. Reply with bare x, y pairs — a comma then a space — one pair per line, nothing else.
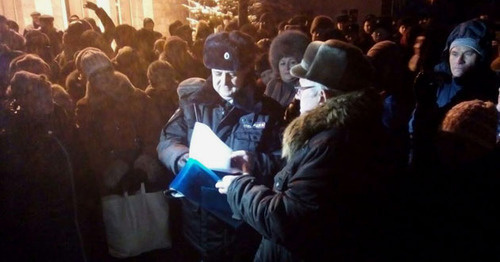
376, 141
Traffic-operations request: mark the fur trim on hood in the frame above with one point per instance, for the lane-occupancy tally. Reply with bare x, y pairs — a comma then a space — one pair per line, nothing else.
357, 108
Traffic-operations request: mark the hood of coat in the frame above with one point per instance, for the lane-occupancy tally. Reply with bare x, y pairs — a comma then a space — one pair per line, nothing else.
477, 34
351, 110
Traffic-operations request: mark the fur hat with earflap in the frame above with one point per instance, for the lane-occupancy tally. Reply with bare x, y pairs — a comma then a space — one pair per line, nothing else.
290, 43
234, 51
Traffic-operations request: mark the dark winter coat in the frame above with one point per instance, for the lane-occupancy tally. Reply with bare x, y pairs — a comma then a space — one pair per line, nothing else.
38, 184
323, 205
122, 127
254, 127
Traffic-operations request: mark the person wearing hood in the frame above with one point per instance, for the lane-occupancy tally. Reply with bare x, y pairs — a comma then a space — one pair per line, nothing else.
230, 104
464, 74
286, 51
323, 203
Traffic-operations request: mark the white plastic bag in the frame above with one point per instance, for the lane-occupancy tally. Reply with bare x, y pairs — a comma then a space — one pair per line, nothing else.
136, 223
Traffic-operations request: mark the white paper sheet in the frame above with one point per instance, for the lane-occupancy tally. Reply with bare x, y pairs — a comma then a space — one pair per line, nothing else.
207, 148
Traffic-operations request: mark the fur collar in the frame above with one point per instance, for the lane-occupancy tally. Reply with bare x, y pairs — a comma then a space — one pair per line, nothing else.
356, 108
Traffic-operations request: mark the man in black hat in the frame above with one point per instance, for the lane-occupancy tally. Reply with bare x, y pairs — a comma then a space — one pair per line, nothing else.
35, 22
55, 36
232, 105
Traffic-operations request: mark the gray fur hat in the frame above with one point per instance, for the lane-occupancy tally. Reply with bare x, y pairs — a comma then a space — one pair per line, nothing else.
234, 51
289, 43
336, 65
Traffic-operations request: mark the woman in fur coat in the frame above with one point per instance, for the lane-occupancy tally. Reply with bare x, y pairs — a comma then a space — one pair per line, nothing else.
323, 203
286, 51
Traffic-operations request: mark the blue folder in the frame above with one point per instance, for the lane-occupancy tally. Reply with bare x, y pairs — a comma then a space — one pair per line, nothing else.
197, 183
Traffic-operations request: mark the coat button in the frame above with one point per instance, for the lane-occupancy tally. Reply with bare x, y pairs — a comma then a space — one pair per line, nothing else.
277, 184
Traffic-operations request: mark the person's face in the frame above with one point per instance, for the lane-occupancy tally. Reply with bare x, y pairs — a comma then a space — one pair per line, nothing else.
311, 95
341, 26
36, 19
149, 26
380, 35
266, 76
284, 66
462, 60
367, 26
224, 83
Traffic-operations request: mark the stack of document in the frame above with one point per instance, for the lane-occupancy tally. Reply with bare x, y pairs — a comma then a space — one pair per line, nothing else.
196, 181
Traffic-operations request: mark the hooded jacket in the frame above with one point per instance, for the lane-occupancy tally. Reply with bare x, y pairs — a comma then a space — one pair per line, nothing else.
323, 203
437, 92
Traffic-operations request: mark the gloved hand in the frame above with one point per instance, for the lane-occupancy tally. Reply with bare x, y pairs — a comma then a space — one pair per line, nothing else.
151, 166
114, 173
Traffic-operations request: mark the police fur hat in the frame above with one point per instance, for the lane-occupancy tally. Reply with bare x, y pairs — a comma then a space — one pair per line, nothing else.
233, 51
336, 65
289, 43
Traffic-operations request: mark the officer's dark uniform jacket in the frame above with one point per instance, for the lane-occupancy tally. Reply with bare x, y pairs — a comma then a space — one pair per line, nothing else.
254, 127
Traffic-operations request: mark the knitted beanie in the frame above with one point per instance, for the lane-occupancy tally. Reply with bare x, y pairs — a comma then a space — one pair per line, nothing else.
474, 120
91, 60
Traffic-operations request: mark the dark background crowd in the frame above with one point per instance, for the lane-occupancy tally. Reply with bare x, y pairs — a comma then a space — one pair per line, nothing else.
83, 109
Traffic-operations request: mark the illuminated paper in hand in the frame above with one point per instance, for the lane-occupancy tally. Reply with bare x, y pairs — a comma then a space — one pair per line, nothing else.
208, 149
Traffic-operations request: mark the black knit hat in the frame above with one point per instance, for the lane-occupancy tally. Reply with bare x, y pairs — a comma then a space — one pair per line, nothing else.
234, 51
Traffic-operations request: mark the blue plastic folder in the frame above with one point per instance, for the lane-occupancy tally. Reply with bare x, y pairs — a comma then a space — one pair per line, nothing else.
197, 183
